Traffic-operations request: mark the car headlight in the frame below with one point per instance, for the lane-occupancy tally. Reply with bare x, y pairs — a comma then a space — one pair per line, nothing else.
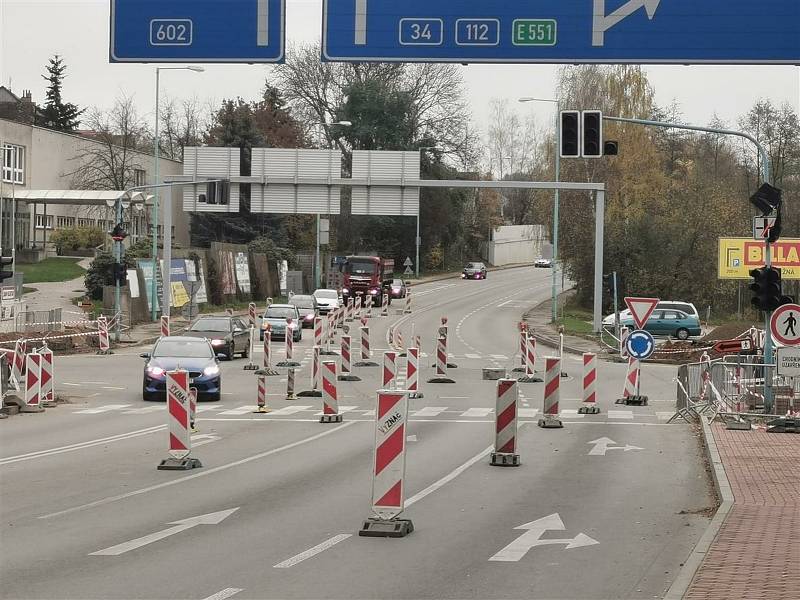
211, 370
345, 291
217, 342
155, 371
309, 317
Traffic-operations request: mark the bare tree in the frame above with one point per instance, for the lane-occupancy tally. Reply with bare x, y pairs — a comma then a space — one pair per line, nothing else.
112, 152
182, 124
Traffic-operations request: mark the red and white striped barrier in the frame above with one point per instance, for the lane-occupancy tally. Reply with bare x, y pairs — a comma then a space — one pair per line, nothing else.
630, 389
350, 310
315, 390
18, 366
47, 377
261, 395
385, 305
389, 370
266, 365
346, 371
366, 353
368, 305
289, 345
523, 347
33, 384
192, 408
417, 341
164, 326
330, 398
441, 359
179, 418
505, 425
331, 337
552, 393
589, 385
290, 395
388, 470
251, 313
340, 316
318, 331
103, 340
412, 373
407, 309
530, 360
358, 308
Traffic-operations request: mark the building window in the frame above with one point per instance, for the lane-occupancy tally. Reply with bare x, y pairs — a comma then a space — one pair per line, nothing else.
64, 222
139, 177
13, 164
40, 221
86, 223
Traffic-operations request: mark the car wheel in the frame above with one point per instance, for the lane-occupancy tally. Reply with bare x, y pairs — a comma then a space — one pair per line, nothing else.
682, 334
246, 351
231, 351
215, 397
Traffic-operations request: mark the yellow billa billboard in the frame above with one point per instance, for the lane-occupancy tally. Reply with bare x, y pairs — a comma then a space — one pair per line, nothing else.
738, 255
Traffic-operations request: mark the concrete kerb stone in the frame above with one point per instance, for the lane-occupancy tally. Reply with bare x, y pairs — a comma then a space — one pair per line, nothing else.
722, 485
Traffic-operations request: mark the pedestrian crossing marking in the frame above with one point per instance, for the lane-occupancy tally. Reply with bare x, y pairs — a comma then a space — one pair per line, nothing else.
429, 411
101, 409
477, 412
620, 414
240, 410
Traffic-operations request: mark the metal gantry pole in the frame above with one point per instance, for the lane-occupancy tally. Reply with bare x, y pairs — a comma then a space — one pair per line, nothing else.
154, 219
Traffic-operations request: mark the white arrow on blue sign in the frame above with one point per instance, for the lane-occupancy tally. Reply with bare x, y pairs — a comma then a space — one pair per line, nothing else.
229, 31
640, 344
556, 31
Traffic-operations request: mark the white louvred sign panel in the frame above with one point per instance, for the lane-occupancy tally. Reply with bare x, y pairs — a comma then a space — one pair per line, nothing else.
281, 164
211, 163
377, 165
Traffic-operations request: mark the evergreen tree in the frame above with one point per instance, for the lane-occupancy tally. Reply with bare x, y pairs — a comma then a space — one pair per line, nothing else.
57, 114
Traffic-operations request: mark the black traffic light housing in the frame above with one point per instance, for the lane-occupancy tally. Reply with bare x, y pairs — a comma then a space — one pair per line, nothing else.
570, 128
118, 233
120, 274
217, 192
610, 148
6, 261
766, 199
592, 146
767, 289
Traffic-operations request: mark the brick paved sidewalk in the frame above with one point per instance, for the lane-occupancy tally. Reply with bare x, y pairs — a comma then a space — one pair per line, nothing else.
756, 553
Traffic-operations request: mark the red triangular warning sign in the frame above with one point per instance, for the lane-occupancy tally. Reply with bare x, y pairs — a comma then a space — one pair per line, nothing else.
641, 309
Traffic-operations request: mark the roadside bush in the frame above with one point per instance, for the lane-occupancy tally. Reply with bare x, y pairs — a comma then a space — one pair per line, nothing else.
74, 238
100, 273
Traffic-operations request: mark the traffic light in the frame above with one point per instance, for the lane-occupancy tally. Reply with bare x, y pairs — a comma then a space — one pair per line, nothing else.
6, 261
570, 134
120, 274
766, 286
217, 192
118, 233
610, 148
592, 134
766, 199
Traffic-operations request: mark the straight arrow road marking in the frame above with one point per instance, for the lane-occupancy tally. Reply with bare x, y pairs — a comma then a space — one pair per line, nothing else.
209, 519
603, 445
532, 538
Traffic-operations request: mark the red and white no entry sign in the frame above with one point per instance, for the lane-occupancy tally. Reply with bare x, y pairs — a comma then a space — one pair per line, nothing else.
785, 324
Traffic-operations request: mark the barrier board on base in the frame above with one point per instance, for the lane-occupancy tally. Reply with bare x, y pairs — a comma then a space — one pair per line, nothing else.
178, 426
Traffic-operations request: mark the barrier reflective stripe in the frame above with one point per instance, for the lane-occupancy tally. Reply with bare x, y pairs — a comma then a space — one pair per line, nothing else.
398, 338
103, 341
164, 326
412, 370
192, 406
288, 337
330, 399
389, 370
33, 380
267, 349
523, 345
385, 306
251, 313
318, 331
18, 368
365, 352
589, 377
261, 397
441, 355
47, 384
350, 309
530, 355
331, 338
417, 342
505, 441
358, 307
368, 302
388, 493
178, 409
632, 379
290, 385
552, 381
345, 354
315, 375
408, 299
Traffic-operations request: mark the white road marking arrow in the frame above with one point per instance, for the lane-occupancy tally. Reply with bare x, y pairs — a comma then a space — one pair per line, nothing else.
520, 546
182, 525
602, 22
603, 445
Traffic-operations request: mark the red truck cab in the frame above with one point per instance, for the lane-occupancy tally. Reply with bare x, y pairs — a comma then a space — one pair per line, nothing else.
366, 276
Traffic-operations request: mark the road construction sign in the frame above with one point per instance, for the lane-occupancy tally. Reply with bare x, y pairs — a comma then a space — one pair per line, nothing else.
785, 324
641, 309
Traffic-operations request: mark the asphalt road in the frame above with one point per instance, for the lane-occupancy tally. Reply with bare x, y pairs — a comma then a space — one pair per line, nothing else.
79, 482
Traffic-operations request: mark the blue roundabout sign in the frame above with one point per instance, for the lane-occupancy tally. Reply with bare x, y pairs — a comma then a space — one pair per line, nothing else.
640, 344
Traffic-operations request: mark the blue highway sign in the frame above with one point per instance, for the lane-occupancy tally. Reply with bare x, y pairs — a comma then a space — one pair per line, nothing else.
224, 31
563, 31
640, 344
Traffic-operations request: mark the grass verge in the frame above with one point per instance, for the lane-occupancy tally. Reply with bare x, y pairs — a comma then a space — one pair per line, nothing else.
51, 269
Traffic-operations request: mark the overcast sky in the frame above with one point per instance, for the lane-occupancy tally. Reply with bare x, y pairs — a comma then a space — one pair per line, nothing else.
31, 31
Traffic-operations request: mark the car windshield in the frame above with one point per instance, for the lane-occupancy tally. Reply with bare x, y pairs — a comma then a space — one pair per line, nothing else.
211, 325
360, 267
280, 312
302, 301
327, 294
182, 349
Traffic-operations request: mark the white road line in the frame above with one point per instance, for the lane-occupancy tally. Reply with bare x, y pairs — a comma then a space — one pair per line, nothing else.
95, 382
664, 416
143, 411
298, 558
211, 471
111, 387
224, 594
290, 410
342, 410
429, 411
241, 410
453, 397
571, 414
477, 412
528, 412
202, 409
70, 384
100, 409
498, 356
473, 356
81, 445
620, 414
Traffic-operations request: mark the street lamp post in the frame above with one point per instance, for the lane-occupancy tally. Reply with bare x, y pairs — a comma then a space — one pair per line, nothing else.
157, 156
553, 300
317, 269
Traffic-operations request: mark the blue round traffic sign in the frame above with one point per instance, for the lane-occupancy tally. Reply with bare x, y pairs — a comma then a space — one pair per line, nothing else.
640, 344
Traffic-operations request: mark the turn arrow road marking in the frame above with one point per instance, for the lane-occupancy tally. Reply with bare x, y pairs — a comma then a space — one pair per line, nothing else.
604, 444
182, 525
532, 537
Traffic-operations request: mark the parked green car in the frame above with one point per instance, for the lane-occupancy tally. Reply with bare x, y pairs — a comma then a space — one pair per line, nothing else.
672, 323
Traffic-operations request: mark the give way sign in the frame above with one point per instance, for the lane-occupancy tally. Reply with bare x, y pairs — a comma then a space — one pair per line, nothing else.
641, 309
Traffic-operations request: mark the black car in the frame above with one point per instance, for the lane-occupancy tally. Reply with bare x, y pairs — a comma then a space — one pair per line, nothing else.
180, 352
397, 289
474, 270
228, 335
307, 307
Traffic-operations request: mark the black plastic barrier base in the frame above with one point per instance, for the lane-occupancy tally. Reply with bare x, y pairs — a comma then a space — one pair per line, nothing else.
330, 418
179, 464
588, 409
394, 528
502, 459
